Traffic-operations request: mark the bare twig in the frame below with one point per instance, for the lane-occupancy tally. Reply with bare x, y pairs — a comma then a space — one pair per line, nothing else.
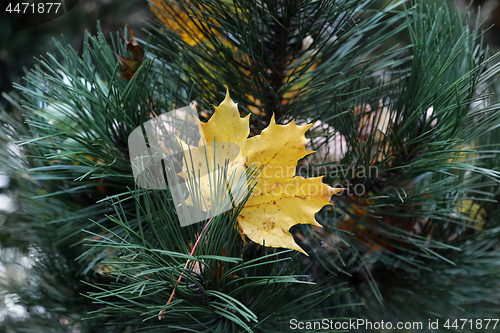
185, 266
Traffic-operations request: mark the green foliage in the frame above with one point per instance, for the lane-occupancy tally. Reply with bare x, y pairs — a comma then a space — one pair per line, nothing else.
420, 243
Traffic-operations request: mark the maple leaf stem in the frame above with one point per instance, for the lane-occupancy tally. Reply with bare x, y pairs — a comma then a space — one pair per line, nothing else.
185, 266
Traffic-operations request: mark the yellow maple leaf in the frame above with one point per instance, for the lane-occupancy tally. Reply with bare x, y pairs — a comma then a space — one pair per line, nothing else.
473, 211
185, 21
280, 199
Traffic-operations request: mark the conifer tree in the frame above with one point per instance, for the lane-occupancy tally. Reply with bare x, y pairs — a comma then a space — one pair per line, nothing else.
406, 139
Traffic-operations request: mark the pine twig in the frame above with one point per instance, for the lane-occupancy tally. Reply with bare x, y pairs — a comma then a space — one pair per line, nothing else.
185, 266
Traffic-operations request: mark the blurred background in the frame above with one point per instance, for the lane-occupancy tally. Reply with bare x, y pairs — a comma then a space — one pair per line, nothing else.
18, 52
